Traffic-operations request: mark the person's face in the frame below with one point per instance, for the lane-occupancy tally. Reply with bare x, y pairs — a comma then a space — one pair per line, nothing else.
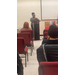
34, 15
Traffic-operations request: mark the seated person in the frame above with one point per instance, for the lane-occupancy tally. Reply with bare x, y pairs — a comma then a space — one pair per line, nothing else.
26, 26
52, 39
52, 35
53, 22
19, 65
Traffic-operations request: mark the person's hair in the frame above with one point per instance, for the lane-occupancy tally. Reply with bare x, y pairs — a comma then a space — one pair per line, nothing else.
26, 25
33, 13
53, 31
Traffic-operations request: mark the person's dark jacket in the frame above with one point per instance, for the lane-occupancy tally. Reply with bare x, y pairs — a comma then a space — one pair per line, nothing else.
49, 53
47, 41
19, 65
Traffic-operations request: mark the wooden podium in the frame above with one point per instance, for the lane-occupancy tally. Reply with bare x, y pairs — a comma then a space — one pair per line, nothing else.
36, 30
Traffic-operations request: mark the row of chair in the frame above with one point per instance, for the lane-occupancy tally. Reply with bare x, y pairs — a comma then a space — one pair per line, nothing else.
48, 68
24, 40
45, 32
51, 66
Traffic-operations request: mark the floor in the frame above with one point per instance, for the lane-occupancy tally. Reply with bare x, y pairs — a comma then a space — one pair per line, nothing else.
32, 64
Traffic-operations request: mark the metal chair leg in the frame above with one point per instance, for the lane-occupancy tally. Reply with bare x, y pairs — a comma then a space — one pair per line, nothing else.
31, 50
27, 56
25, 60
33, 45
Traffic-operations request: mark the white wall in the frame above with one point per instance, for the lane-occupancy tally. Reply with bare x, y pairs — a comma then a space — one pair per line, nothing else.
24, 10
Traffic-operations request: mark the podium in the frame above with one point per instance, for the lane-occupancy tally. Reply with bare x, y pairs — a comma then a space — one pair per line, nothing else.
36, 30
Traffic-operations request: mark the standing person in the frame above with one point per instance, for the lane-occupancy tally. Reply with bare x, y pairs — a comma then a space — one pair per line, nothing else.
33, 19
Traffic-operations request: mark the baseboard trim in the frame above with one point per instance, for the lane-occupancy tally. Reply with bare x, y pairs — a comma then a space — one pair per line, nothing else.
41, 35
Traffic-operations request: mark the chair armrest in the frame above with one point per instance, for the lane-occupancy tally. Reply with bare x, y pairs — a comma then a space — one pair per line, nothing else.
26, 50
31, 42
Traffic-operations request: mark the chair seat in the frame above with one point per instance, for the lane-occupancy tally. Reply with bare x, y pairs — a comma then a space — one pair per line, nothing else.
26, 50
31, 42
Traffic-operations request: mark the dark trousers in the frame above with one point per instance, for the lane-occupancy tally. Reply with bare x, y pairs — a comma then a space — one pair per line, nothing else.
32, 26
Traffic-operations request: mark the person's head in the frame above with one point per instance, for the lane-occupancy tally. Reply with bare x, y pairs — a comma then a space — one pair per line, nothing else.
26, 25
33, 14
53, 31
53, 22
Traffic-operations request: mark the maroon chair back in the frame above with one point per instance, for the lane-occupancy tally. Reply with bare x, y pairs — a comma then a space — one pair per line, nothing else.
30, 31
48, 68
45, 31
20, 45
26, 37
45, 34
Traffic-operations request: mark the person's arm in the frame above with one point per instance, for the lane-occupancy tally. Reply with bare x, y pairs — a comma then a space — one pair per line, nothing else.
31, 20
40, 55
38, 19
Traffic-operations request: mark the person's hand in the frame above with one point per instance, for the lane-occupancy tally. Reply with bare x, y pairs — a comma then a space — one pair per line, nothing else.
35, 18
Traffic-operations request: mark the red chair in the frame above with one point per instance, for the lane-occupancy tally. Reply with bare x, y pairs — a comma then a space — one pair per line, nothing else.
21, 48
21, 59
26, 37
45, 37
31, 35
30, 31
45, 31
46, 28
48, 68
45, 34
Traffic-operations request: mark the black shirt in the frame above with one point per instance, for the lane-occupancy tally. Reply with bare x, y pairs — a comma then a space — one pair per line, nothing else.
47, 41
51, 53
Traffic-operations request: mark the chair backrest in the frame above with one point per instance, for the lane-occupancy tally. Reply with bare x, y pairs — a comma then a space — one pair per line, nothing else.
45, 37
30, 31
26, 37
48, 68
51, 51
20, 45
46, 28
45, 31
45, 34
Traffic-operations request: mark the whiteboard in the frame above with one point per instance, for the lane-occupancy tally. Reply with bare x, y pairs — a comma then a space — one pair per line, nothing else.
49, 9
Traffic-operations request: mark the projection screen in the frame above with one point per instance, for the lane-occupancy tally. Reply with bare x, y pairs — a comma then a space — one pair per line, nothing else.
49, 9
